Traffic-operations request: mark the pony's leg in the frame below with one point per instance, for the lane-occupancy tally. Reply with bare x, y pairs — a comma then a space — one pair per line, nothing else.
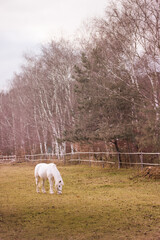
43, 188
51, 185
37, 184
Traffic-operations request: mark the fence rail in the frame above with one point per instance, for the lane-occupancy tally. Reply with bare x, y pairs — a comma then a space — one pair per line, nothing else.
119, 159
6, 159
44, 157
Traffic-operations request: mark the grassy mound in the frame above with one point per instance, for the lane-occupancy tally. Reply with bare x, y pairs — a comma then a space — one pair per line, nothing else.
151, 172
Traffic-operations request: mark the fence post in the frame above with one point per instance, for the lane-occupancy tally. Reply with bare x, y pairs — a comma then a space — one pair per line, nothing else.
141, 159
158, 158
119, 160
89, 160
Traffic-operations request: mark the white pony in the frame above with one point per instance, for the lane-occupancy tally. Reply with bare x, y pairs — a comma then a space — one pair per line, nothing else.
50, 171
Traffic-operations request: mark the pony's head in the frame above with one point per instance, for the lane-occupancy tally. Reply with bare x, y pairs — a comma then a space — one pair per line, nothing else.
59, 186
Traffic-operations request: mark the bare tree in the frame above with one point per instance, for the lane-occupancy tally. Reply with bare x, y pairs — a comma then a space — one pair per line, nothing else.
41, 100
123, 51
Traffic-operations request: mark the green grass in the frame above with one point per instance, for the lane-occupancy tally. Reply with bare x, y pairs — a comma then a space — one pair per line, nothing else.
97, 203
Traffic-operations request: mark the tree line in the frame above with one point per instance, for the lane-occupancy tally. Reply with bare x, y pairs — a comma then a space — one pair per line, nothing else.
106, 87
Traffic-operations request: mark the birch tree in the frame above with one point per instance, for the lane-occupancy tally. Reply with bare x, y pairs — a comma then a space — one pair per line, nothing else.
42, 96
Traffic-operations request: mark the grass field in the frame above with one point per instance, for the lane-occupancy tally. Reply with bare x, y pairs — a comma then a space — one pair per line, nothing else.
97, 203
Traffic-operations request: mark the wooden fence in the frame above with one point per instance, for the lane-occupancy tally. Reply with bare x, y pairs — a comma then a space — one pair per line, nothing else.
112, 158
7, 159
44, 157
116, 158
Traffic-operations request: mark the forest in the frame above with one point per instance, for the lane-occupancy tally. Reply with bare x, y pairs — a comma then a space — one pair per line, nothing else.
103, 86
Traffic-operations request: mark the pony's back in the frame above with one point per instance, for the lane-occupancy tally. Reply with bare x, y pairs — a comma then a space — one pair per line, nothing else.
41, 170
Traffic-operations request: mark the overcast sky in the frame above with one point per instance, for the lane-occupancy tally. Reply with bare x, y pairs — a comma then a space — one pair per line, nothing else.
26, 24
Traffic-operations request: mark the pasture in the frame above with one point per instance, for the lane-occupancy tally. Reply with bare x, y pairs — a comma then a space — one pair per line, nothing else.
96, 203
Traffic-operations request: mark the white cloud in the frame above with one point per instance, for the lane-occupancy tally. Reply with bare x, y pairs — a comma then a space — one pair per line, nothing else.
24, 24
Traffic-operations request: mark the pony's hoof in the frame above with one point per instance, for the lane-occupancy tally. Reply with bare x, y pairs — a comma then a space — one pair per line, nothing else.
51, 192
